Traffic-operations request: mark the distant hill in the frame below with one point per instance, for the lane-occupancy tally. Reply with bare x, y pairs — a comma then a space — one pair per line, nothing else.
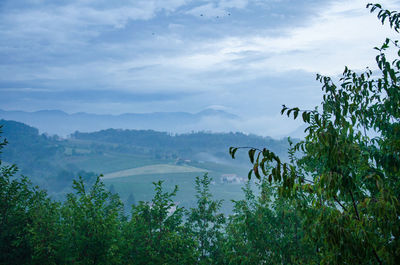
189, 143
62, 124
131, 159
26, 146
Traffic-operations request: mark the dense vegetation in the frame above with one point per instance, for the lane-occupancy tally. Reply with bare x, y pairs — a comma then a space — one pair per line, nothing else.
335, 202
345, 177
91, 228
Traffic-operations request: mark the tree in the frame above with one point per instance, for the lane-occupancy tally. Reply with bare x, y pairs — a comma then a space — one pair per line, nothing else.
346, 180
28, 231
266, 229
15, 199
45, 230
92, 221
206, 223
156, 234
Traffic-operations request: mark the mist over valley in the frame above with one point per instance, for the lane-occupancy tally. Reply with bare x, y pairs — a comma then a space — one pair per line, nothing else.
131, 159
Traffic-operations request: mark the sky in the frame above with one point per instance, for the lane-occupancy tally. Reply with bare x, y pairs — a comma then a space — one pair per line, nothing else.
246, 57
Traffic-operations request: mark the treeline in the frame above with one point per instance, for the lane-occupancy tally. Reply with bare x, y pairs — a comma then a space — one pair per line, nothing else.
90, 227
29, 149
181, 144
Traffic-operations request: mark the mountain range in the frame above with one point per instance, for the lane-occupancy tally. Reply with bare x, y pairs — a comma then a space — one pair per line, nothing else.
63, 124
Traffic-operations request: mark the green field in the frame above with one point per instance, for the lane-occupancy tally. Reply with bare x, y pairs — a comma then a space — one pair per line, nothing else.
140, 186
153, 169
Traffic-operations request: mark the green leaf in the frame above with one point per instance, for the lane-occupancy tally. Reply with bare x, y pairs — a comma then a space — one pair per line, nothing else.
304, 116
256, 173
296, 113
262, 165
284, 108
249, 175
251, 155
232, 151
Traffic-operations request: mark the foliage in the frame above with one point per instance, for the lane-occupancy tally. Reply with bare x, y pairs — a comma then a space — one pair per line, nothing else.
15, 200
267, 230
44, 230
206, 223
91, 225
156, 234
347, 167
28, 226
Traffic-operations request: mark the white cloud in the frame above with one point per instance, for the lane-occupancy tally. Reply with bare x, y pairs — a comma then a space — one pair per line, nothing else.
80, 18
343, 33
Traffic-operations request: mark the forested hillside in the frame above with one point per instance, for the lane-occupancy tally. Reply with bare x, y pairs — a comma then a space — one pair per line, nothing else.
183, 145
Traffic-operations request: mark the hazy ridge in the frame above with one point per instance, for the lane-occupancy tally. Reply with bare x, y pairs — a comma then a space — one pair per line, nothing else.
61, 123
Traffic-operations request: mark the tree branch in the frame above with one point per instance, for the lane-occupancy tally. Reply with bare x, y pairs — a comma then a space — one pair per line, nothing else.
355, 206
341, 205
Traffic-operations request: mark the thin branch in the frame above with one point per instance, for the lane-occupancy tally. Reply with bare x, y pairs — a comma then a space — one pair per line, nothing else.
355, 206
341, 205
249, 147
309, 181
377, 257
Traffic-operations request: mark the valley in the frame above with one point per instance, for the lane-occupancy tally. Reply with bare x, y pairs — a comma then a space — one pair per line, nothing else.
131, 160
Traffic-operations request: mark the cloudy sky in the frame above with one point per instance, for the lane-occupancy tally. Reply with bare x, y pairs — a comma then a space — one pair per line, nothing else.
247, 57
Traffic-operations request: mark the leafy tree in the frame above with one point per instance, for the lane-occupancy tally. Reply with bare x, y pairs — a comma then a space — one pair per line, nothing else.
156, 234
266, 230
28, 234
15, 200
206, 223
92, 221
348, 179
45, 230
